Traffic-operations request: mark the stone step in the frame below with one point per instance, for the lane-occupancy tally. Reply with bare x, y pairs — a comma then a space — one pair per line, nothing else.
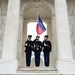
37, 74
38, 71
33, 74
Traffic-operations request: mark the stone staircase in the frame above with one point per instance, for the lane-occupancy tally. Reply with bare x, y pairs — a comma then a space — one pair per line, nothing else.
37, 71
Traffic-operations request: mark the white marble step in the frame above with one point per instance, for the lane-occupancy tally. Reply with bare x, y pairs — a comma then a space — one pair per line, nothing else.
37, 74
38, 71
33, 74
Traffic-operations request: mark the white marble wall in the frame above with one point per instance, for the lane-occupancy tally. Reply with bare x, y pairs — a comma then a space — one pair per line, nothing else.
2, 28
3, 11
71, 13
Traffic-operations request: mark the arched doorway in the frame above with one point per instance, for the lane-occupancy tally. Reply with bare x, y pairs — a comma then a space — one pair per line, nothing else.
29, 13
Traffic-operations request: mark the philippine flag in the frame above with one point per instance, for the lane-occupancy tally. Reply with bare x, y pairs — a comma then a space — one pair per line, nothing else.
40, 28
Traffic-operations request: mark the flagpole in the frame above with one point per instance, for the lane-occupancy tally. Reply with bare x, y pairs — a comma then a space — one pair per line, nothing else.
37, 16
37, 19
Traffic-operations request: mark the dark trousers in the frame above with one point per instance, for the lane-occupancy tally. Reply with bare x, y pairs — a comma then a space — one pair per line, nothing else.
37, 59
28, 58
46, 58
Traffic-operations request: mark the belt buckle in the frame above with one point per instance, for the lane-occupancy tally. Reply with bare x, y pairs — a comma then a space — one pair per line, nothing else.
37, 48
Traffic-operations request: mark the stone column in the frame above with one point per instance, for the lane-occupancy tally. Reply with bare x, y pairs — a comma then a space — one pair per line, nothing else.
65, 63
49, 30
9, 63
24, 38
54, 45
0, 8
20, 36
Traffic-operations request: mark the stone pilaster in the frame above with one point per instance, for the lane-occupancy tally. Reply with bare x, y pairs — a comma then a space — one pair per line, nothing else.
0, 8
54, 45
49, 30
24, 38
20, 36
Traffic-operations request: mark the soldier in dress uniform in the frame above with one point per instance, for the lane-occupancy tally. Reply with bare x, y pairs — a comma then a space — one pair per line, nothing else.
46, 50
37, 50
28, 50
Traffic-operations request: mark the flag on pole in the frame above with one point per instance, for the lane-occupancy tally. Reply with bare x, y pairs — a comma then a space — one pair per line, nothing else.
40, 28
